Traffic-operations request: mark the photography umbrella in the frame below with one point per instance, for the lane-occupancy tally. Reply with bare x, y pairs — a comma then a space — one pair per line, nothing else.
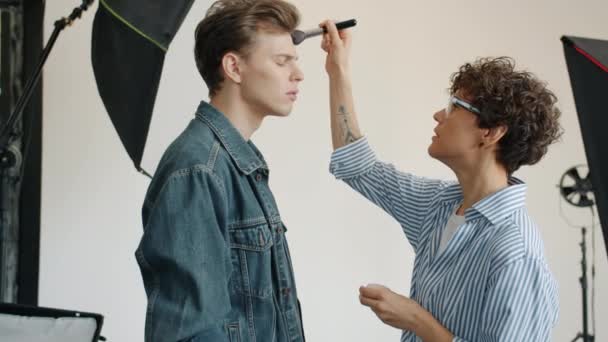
129, 42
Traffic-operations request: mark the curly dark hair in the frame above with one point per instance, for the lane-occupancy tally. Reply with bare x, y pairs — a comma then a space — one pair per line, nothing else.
516, 100
231, 26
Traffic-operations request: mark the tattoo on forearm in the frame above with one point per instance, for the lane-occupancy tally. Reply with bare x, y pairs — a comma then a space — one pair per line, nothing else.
347, 135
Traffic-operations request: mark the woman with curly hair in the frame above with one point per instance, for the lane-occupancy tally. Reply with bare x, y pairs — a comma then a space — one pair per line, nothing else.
479, 270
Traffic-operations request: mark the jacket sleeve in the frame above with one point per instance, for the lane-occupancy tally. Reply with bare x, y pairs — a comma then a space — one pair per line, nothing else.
184, 257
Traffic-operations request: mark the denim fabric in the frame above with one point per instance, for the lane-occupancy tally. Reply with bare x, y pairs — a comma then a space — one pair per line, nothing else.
213, 256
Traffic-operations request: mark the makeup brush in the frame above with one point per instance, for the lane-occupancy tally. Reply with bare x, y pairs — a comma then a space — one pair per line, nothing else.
298, 36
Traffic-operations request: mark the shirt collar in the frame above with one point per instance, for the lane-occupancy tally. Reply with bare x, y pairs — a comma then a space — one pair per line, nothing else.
496, 206
245, 154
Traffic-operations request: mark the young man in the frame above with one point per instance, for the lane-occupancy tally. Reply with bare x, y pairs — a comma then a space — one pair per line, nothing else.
213, 256
479, 272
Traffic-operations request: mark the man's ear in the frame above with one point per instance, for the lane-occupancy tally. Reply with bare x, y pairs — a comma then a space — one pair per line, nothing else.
232, 64
492, 136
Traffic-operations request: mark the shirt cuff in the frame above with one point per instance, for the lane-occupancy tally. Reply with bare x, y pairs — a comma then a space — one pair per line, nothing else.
352, 160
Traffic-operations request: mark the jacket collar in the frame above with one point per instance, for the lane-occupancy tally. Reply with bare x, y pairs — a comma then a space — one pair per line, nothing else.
245, 154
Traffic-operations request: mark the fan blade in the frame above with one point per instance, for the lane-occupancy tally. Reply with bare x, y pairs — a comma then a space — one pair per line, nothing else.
585, 201
567, 190
573, 172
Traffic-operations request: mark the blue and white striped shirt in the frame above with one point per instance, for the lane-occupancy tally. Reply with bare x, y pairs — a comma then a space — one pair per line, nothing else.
491, 283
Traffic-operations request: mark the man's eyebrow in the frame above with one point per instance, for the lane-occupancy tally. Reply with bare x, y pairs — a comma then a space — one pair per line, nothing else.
287, 57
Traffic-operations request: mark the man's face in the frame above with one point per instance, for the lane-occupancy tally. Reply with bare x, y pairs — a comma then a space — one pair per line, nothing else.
270, 74
457, 135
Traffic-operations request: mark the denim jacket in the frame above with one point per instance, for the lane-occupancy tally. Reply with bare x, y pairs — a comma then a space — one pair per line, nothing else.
213, 256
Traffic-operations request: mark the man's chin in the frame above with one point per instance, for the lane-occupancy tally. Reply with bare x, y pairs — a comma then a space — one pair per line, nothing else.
284, 112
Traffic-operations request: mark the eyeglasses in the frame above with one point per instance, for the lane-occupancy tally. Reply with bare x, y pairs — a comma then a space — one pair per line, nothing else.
456, 101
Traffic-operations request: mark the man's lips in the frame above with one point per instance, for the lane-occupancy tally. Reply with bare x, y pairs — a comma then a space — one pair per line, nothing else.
293, 95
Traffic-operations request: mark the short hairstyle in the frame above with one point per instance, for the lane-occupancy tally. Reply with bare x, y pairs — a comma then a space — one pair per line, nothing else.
516, 100
231, 26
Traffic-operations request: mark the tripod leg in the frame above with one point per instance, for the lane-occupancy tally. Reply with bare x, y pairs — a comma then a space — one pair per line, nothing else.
577, 337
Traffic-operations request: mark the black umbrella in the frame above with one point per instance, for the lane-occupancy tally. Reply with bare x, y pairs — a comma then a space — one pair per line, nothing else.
587, 61
129, 42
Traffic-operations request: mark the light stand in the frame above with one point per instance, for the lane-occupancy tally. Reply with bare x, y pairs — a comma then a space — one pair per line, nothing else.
583, 281
578, 191
7, 157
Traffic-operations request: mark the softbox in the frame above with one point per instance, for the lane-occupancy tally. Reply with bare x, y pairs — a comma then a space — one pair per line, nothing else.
587, 61
21, 323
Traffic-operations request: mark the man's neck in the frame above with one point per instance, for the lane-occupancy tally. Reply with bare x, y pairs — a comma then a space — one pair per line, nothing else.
480, 182
241, 116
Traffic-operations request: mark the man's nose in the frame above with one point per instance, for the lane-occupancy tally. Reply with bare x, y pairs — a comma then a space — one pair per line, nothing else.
298, 75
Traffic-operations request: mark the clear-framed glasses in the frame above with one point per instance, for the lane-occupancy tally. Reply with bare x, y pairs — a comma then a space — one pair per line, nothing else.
456, 101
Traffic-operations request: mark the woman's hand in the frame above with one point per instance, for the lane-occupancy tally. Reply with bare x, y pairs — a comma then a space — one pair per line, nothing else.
393, 309
337, 45
403, 313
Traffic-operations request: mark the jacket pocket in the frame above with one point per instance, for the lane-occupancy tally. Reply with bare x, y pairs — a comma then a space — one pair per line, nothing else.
234, 334
251, 252
257, 239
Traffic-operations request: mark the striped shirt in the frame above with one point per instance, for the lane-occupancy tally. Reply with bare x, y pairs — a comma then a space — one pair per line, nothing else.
492, 282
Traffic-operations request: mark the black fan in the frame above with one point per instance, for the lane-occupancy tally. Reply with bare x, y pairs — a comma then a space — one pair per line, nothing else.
575, 189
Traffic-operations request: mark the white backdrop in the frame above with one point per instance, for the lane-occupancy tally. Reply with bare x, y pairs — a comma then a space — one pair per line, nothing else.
403, 54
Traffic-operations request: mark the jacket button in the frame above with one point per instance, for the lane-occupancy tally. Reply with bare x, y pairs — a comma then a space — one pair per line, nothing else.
286, 291
258, 177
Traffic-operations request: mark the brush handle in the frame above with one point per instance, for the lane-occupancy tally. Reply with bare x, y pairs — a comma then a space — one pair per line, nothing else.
341, 25
345, 24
